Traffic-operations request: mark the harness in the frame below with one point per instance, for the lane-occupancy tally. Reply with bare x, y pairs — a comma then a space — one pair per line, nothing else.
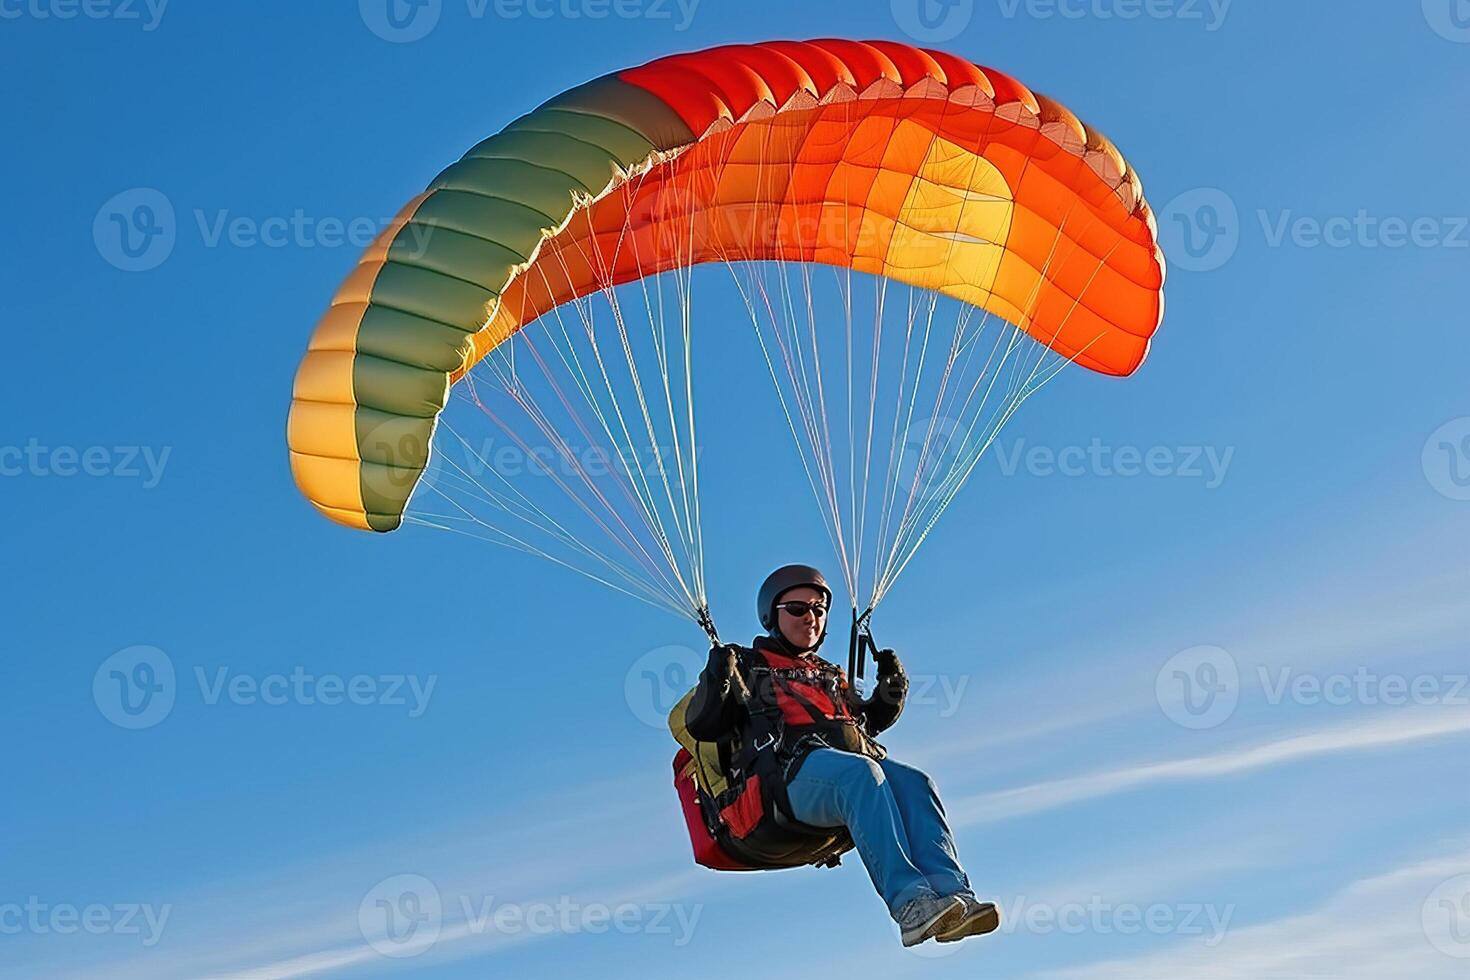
786, 720
734, 793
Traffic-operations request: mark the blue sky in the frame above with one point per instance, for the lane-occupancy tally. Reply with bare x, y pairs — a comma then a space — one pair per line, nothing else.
1307, 169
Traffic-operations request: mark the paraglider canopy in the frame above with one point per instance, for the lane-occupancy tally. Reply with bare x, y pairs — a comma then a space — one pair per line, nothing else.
885, 162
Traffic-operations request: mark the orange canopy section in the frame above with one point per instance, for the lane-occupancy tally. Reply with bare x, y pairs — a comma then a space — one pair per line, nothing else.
886, 159
875, 156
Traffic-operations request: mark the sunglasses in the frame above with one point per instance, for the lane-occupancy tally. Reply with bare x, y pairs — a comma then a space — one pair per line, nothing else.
798, 608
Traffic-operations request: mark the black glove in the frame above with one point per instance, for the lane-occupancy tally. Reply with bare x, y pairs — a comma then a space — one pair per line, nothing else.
724, 671
723, 662
891, 686
887, 662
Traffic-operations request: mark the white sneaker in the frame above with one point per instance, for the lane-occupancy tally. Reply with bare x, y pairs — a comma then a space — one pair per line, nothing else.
979, 918
928, 915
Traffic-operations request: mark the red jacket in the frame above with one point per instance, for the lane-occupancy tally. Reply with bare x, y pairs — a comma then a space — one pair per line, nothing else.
808, 699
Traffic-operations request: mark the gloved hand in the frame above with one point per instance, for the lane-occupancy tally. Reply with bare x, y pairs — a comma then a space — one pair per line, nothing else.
892, 684
723, 661
724, 671
888, 664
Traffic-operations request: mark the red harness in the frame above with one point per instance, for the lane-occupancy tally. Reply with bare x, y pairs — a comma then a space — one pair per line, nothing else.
808, 691
796, 704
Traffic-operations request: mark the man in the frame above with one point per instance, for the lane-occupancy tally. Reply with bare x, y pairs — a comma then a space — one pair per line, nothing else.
833, 773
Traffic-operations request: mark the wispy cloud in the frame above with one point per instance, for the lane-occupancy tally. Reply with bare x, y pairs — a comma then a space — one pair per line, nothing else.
334, 945
1383, 926
466, 937
310, 928
1378, 732
471, 939
265, 930
1111, 679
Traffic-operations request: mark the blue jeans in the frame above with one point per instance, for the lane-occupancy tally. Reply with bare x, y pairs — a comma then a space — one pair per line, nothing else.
895, 818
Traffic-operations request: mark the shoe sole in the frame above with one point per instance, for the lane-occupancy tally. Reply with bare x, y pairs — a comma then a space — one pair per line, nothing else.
986, 921
950, 918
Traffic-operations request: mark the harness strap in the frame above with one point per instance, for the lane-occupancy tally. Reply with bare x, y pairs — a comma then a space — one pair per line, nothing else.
860, 646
